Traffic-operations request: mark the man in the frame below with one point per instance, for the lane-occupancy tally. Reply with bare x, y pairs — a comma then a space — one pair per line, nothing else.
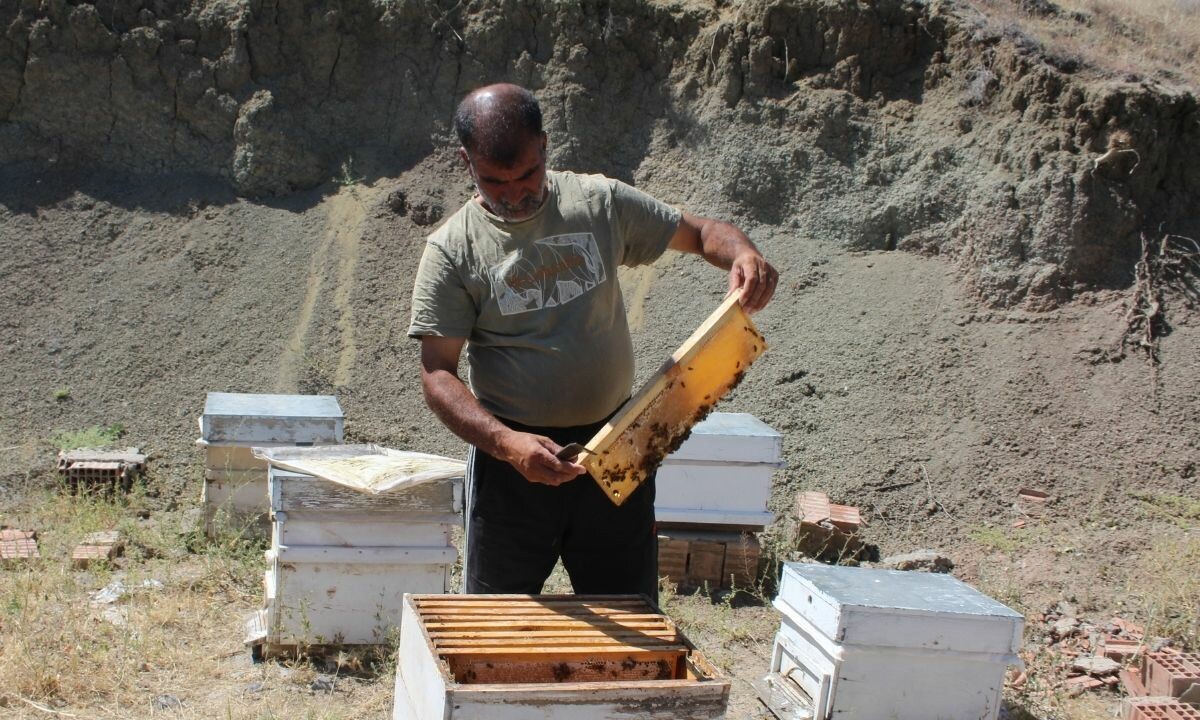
524, 275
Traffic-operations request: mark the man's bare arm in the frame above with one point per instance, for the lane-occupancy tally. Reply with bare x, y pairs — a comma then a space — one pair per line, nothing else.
724, 245
453, 403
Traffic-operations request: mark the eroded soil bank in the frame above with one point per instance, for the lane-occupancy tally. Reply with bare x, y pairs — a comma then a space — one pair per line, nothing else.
202, 196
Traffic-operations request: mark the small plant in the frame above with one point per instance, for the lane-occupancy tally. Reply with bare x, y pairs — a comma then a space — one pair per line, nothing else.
92, 437
62, 394
995, 539
348, 176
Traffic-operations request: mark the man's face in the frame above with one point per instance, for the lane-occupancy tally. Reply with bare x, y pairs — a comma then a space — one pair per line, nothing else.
512, 192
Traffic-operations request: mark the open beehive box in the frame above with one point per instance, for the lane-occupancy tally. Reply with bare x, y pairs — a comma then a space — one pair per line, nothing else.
549, 656
656, 421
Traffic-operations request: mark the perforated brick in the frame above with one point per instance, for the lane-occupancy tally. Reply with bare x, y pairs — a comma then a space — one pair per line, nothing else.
85, 476
1171, 674
1158, 709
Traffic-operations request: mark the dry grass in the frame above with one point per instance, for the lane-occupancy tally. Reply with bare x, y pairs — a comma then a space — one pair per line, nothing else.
1125, 38
1166, 587
62, 656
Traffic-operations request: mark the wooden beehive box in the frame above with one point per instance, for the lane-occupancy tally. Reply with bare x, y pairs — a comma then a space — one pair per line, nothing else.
656, 420
554, 657
341, 560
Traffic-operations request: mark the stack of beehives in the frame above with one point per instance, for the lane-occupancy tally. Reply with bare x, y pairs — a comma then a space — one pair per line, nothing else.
712, 498
235, 482
343, 554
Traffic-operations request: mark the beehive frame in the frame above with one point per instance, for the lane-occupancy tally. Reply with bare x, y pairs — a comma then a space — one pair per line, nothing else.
656, 420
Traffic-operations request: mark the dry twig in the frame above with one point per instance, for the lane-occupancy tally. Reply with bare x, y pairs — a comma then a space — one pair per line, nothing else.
1172, 262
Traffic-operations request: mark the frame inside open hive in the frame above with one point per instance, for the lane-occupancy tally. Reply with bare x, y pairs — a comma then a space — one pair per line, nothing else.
493, 639
555, 657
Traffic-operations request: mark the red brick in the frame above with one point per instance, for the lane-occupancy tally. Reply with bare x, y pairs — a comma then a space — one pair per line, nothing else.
1158, 709
1077, 685
1132, 683
11, 534
741, 563
103, 545
1118, 648
812, 507
1032, 495
15, 550
845, 517
672, 558
706, 563
1170, 674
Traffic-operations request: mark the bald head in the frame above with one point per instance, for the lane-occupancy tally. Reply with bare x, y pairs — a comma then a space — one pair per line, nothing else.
495, 122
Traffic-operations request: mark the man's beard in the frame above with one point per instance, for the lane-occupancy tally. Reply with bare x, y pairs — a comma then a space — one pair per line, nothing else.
516, 212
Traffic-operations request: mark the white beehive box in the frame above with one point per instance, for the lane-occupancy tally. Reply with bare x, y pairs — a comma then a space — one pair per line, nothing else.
235, 482
721, 475
341, 560
864, 644
254, 419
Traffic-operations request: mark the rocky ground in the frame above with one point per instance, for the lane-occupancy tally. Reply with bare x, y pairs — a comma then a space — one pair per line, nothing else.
232, 197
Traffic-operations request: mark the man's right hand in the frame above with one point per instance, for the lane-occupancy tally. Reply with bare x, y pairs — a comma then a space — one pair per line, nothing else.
533, 456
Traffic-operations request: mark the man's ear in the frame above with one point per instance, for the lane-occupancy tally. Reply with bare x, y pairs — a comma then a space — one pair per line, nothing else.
466, 159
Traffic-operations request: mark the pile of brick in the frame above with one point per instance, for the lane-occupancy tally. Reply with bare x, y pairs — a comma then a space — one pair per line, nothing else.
705, 559
1168, 689
1098, 655
828, 531
1161, 682
17, 545
88, 470
105, 545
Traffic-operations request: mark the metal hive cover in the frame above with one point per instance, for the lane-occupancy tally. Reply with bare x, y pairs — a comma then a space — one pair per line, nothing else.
256, 405
891, 589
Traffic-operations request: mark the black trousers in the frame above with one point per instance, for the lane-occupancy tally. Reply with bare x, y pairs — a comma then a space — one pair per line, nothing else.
517, 530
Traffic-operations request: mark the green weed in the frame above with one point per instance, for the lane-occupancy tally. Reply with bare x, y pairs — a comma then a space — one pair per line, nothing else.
1168, 507
995, 539
92, 437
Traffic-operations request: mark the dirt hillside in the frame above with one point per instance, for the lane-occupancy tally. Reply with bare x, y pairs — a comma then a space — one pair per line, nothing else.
232, 196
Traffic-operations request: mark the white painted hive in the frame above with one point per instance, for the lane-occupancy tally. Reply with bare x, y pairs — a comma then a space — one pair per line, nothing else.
341, 560
721, 475
253, 419
864, 644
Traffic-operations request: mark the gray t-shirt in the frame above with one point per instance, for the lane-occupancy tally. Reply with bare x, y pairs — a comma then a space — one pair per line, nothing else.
538, 300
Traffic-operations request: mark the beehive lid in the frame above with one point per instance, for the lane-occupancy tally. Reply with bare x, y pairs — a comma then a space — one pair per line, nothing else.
365, 468
893, 608
731, 437
252, 418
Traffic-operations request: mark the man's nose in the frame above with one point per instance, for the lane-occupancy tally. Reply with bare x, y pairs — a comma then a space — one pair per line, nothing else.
516, 193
